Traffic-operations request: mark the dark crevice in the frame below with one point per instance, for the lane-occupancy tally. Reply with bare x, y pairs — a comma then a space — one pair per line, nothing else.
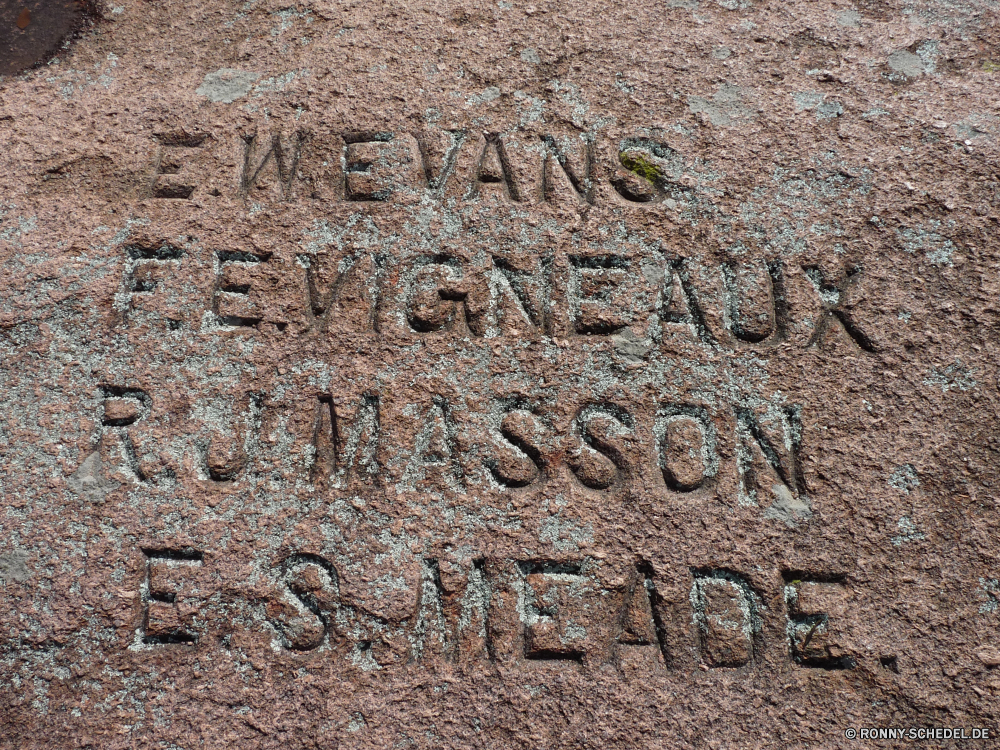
182, 192
178, 554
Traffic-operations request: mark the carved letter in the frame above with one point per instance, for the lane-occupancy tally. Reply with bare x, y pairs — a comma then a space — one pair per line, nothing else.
452, 613
641, 624
146, 266
431, 148
123, 407
814, 642
170, 178
494, 169
347, 444
519, 463
679, 302
643, 170
234, 273
344, 275
580, 180
833, 297
770, 468
304, 622
436, 290
598, 461
227, 454
435, 454
755, 301
725, 610
170, 573
352, 296
375, 162
599, 302
685, 440
555, 611
286, 162
520, 296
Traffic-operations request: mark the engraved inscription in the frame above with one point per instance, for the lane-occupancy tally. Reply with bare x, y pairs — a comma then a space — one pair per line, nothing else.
259, 154
346, 441
686, 447
235, 274
814, 610
726, 613
836, 312
174, 176
440, 445
170, 596
532, 613
348, 282
557, 611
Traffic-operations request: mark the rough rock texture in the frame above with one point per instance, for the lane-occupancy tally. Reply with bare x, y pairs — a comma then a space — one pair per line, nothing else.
500, 375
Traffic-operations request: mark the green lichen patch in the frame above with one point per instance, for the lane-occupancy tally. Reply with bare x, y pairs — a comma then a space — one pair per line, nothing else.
641, 166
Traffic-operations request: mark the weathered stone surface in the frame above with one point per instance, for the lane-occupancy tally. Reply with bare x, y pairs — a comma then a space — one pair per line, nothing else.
481, 375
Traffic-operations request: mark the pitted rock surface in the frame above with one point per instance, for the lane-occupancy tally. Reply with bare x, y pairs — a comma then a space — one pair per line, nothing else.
499, 375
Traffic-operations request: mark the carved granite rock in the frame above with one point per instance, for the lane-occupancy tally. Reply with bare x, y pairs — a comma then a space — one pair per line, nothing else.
480, 375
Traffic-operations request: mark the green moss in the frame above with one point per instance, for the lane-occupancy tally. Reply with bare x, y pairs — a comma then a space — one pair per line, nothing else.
991, 67
641, 166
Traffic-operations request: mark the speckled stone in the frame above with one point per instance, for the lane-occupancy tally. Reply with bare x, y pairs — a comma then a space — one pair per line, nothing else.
498, 375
